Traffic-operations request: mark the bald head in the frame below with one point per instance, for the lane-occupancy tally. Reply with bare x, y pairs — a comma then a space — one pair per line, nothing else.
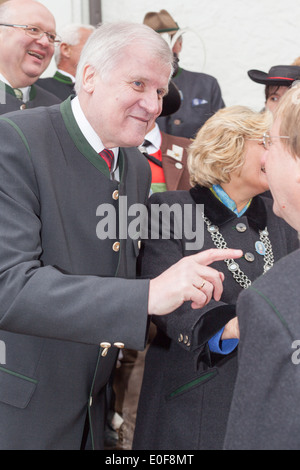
23, 58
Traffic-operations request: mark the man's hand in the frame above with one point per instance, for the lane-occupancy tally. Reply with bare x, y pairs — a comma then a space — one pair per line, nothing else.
191, 279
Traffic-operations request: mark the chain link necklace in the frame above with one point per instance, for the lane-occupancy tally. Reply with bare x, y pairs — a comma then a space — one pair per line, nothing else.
239, 276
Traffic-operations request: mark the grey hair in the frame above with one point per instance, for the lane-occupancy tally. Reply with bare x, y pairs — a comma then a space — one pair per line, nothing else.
70, 34
105, 47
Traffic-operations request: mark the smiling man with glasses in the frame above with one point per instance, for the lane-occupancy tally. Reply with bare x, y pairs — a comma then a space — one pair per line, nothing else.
27, 42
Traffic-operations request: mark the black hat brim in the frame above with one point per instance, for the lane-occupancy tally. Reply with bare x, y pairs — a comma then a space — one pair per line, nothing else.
263, 78
172, 101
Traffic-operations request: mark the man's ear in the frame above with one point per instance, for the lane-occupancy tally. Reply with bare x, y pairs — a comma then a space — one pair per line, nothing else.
89, 78
65, 50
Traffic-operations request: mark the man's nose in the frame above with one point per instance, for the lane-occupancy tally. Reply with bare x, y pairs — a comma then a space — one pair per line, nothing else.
44, 40
152, 103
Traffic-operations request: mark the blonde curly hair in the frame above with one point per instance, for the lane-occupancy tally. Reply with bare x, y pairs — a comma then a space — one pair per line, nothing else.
219, 147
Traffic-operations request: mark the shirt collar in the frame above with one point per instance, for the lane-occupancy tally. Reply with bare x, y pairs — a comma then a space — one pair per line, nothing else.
88, 131
219, 192
154, 136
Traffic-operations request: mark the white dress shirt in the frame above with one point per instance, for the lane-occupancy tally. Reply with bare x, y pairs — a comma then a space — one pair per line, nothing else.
92, 137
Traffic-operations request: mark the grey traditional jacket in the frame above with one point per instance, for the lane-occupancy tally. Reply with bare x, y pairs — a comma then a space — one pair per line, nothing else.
265, 413
67, 297
187, 389
59, 85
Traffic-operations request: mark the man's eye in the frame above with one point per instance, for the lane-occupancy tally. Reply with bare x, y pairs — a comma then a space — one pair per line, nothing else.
137, 83
33, 29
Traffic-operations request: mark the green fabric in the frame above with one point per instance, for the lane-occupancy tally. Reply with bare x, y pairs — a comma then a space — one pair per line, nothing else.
195, 382
158, 187
14, 125
32, 93
280, 317
20, 376
82, 144
62, 78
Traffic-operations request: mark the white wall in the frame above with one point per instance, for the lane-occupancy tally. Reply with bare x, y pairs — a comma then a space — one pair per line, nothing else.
229, 37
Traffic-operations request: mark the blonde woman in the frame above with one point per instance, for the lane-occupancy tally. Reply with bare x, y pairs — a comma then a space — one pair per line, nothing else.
191, 365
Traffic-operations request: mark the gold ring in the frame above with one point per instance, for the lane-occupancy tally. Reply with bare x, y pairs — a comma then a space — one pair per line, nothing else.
202, 285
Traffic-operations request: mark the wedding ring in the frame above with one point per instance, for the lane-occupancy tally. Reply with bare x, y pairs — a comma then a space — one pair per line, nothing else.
202, 285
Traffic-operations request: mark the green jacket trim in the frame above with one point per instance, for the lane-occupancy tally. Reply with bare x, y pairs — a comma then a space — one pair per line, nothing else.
14, 125
62, 78
20, 376
278, 314
82, 144
193, 383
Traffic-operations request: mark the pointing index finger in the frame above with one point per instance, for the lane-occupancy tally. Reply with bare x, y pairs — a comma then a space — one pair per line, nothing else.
217, 254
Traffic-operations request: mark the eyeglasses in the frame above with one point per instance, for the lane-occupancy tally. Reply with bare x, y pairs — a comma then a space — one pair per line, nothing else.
36, 33
267, 139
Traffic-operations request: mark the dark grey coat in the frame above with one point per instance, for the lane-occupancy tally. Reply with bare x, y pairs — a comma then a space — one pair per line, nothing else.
187, 390
59, 85
265, 413
63, 291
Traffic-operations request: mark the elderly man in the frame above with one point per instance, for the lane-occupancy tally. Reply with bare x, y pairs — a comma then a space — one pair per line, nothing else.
73, 38
68, 294
265, 411
27, 42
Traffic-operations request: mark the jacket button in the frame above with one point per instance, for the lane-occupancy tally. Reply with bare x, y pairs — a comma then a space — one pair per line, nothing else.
178, 166
116, 246
115, 195
105, 347
119, 345
23, 106
91, 401
249, 257
241, 228
180, 338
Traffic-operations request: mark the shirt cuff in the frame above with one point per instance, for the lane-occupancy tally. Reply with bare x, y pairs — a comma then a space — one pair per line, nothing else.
226, 346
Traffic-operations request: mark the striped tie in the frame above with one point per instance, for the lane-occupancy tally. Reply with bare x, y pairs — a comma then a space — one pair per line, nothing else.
108, 156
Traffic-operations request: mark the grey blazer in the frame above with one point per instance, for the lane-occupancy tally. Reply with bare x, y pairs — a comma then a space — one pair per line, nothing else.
63, 290
265, 412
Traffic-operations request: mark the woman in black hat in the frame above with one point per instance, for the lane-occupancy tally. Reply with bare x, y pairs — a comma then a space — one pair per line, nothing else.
277, 81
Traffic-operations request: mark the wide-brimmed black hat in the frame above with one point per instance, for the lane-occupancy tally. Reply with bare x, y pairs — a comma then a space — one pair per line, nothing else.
279, 75
172, 101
